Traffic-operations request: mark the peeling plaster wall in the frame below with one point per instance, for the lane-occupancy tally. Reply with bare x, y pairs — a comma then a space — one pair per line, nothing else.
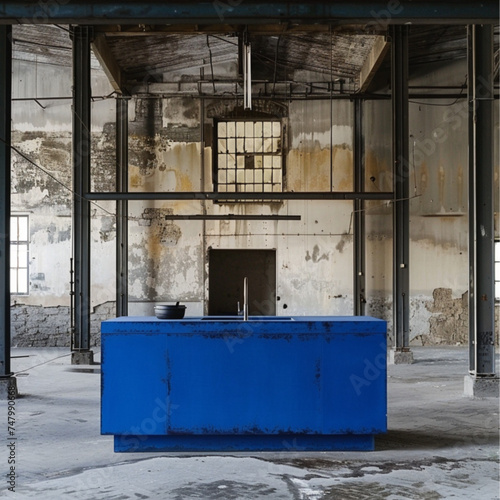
170, 150
41, 190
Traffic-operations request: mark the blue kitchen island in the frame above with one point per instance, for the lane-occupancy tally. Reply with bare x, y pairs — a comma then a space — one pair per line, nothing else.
224, 384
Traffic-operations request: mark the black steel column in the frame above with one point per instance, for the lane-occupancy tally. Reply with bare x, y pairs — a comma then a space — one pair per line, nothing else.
481, 196
122, 207
81, 36
401, 207
359, 213
5, 184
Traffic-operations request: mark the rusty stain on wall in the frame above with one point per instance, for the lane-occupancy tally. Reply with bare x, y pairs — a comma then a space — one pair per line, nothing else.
378, 172
176, 167
151, 258
161, 232
424, 179
343, 168
309, 170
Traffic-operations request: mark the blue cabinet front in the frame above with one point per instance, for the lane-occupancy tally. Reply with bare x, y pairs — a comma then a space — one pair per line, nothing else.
264, 383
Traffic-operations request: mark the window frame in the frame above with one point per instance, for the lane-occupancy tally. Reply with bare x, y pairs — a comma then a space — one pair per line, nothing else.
257, 185
16, 243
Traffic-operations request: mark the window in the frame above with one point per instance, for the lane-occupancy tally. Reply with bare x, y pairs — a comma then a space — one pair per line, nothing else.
497, 270
249, 156
19, 254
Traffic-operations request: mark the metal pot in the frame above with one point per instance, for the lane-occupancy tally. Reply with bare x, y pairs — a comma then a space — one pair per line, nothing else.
170, 312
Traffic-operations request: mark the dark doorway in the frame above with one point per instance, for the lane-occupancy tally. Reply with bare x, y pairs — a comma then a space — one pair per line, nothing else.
226, 271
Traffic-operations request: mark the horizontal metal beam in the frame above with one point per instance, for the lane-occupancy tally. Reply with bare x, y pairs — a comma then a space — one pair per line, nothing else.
232, 217
376, 12
316, 195
302, 96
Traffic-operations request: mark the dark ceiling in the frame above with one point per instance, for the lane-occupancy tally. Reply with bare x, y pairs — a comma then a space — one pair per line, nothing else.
315, 53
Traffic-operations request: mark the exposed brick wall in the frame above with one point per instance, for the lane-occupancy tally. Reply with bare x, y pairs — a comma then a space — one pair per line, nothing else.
37, 326
450, 321
444, 320
100, 313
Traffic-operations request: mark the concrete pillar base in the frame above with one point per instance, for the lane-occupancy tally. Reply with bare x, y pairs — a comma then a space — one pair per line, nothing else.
8, 388
481, 387
397, 357
82, 358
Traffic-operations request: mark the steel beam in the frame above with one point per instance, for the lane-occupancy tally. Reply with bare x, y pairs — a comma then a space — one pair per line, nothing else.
122, 207
81, 37
108, 63
226, 217
373, 62
378, 13
210, 195
481, 196
401, 205
359, 213
5, 184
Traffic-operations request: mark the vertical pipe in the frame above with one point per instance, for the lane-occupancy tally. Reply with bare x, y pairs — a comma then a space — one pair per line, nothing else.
72, 303
122, 207
247, 75
5, 185
472, 208
81, 36
359, 213
203, 205
401, 205
481, 196
245, 299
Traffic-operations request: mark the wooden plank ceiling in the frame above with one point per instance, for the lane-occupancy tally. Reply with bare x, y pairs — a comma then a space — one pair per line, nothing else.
162, 53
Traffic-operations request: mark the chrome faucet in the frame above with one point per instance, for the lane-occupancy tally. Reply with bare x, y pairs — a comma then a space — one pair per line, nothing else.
245, 299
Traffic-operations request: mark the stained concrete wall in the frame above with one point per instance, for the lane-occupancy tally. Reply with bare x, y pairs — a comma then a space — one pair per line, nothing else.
439, 204
170, 150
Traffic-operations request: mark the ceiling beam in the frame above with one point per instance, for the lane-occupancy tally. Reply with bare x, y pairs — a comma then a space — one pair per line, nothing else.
373, 62
147, 30
251, 12
108, 62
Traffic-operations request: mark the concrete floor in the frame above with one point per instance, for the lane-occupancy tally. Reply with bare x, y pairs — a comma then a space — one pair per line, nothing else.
439, 445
